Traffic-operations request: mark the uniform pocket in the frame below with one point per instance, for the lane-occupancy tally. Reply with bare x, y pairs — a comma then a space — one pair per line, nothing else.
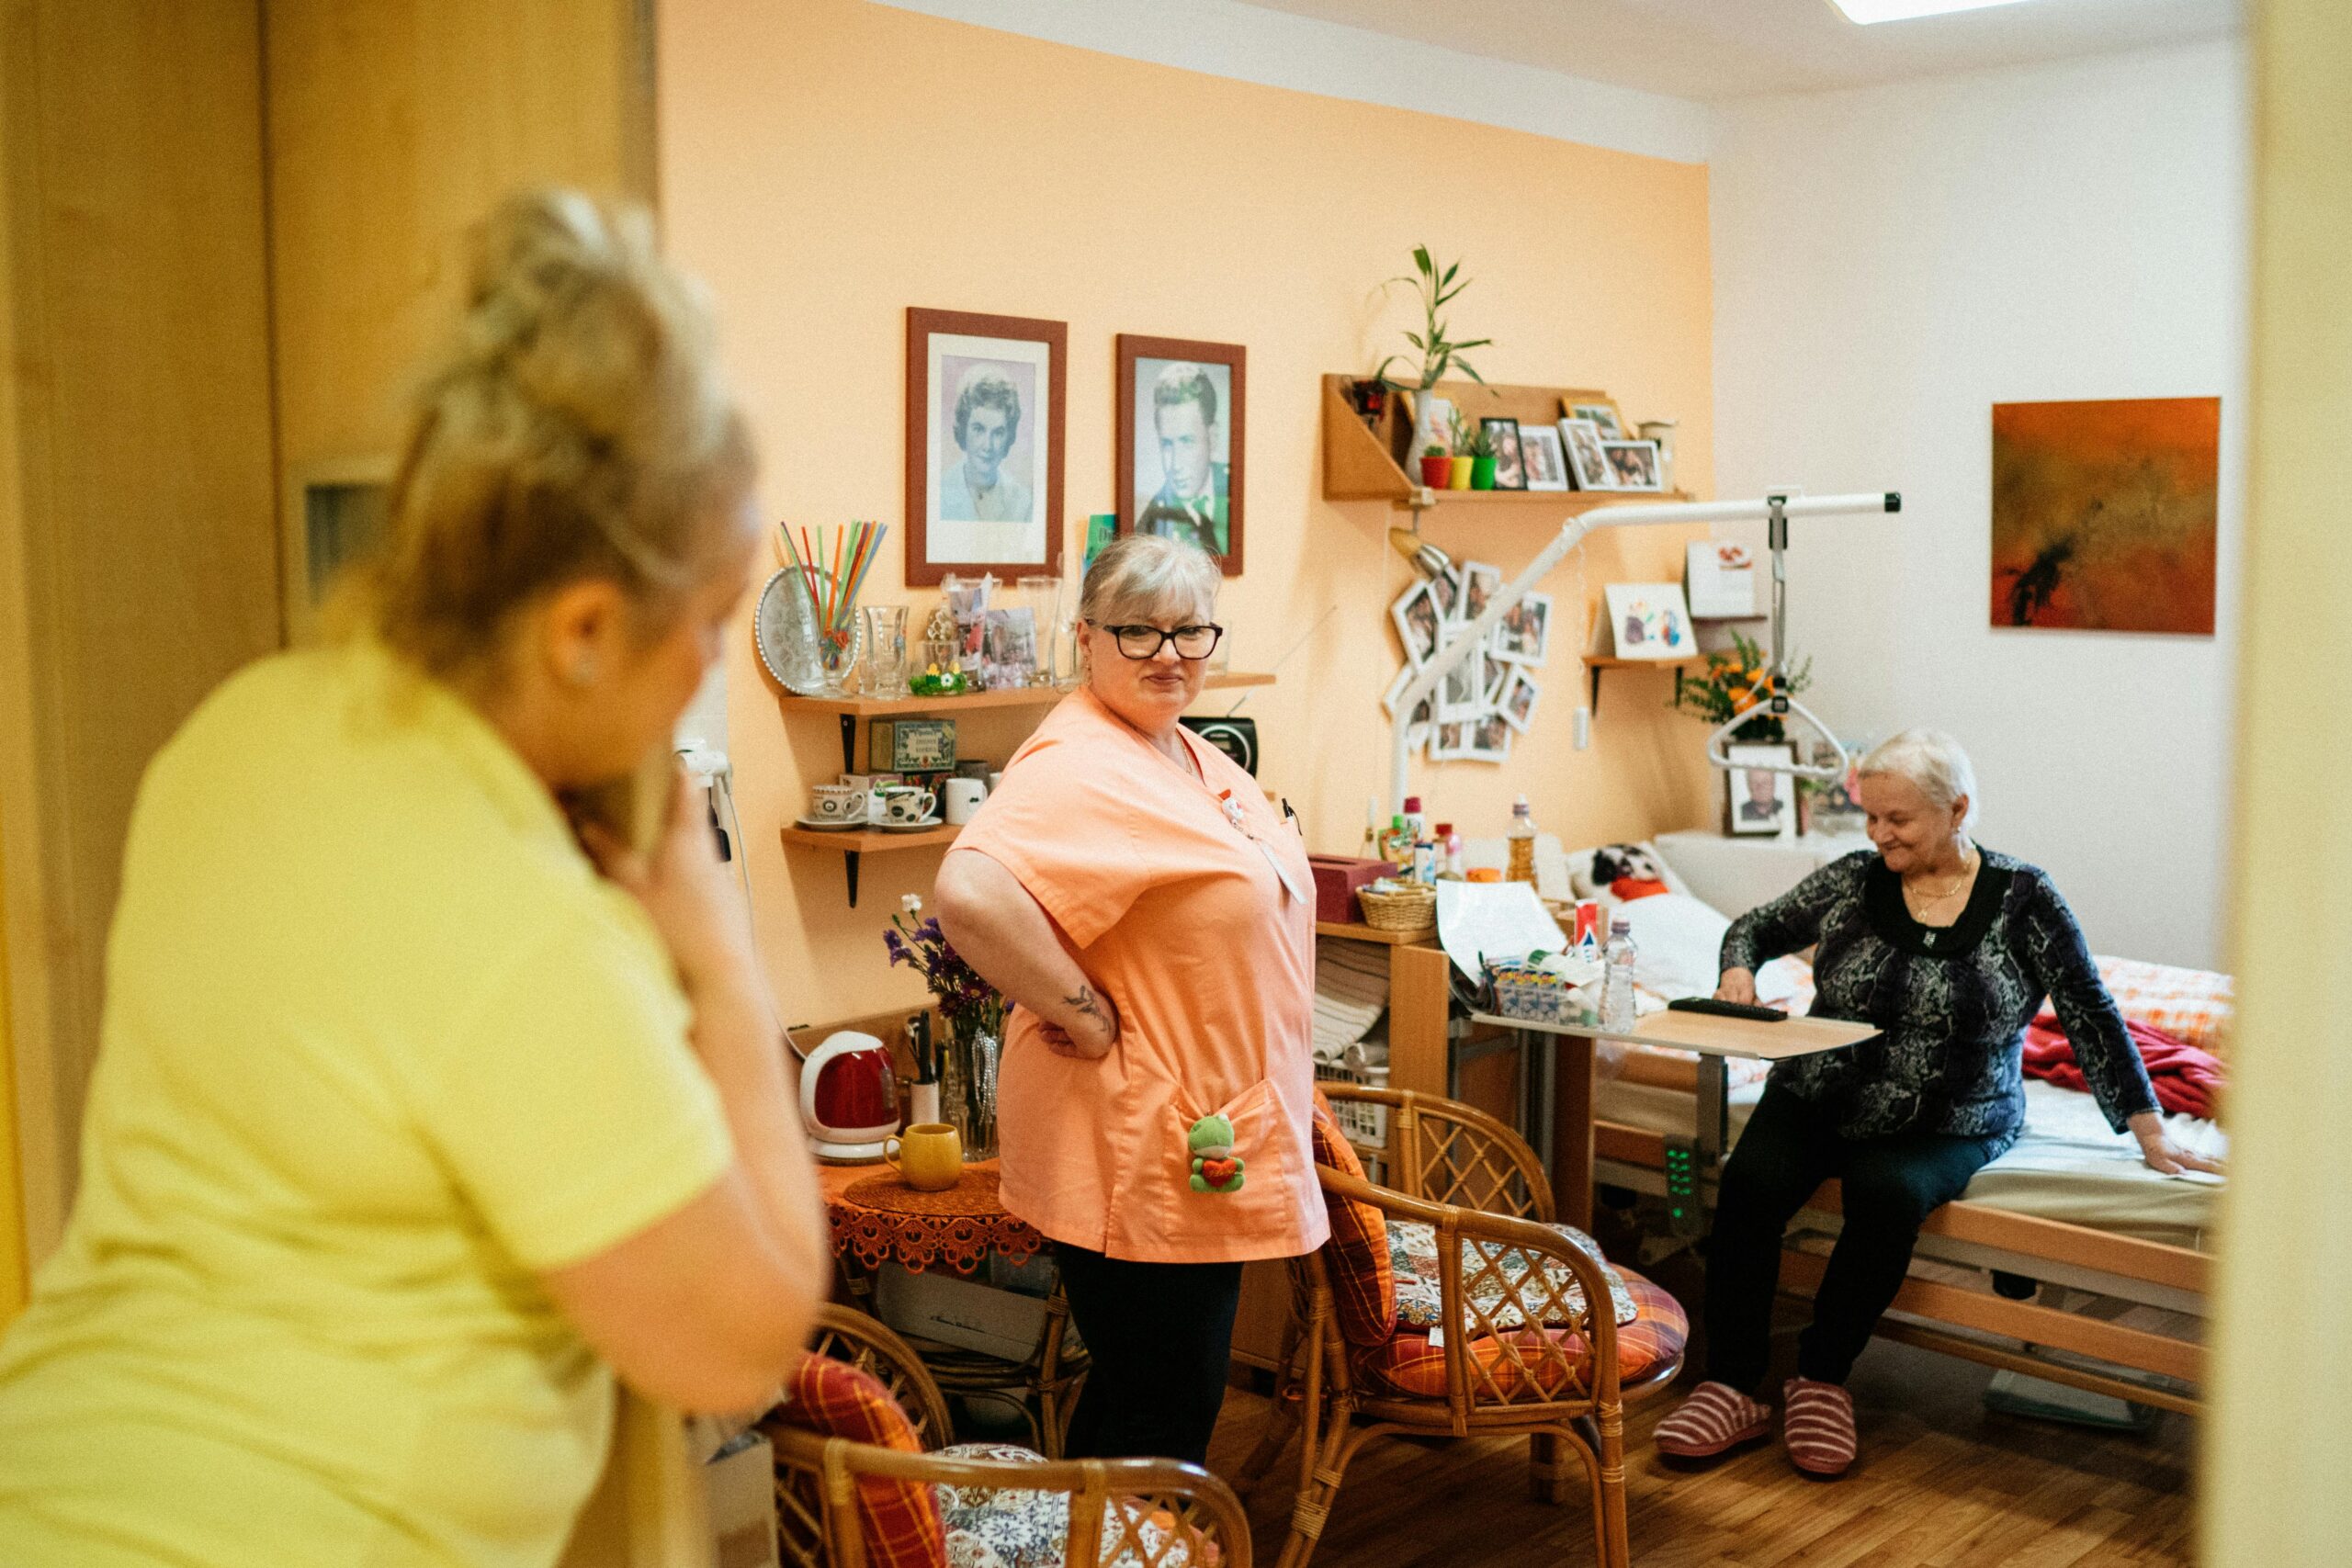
1247, 1189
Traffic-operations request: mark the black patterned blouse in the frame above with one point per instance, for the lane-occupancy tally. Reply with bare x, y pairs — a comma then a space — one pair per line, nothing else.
1953, 1001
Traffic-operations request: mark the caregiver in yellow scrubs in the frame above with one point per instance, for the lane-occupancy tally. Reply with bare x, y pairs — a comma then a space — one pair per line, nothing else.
410, 1122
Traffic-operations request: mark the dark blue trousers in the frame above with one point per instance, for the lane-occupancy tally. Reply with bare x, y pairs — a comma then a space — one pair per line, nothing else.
1790, 1147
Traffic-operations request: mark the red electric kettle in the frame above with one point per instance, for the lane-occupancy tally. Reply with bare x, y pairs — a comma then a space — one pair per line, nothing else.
848, 1099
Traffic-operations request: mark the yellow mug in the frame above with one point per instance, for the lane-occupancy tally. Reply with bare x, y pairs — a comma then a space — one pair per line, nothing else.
929, 1156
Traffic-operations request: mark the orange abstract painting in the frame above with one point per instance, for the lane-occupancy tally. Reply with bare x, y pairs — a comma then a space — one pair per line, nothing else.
2103, 513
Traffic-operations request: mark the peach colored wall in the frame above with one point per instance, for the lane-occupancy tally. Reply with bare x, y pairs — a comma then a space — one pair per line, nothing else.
827, 163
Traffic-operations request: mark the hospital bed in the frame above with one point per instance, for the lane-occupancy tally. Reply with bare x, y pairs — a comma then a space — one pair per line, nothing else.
2066, 1257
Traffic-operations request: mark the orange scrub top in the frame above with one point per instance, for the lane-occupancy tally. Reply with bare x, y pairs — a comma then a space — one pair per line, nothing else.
1163, 894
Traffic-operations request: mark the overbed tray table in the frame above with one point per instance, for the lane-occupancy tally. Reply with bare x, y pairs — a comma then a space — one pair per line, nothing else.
1713, 1037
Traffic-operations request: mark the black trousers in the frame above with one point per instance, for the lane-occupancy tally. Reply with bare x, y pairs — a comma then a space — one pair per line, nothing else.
1790, 1147
1160, 1335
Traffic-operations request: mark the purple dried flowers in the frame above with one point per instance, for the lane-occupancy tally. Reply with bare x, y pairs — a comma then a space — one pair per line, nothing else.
964, 1000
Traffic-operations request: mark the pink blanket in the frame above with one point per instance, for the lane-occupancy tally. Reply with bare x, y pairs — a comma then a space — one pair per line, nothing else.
2188, 1081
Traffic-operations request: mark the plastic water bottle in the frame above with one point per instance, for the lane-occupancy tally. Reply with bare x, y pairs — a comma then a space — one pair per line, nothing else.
1522, 843
1617, 979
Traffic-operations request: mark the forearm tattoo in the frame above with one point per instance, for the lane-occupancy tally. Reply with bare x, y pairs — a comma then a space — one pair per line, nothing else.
1085, 1003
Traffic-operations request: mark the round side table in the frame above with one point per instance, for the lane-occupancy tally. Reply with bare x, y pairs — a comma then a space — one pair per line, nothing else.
877, 1219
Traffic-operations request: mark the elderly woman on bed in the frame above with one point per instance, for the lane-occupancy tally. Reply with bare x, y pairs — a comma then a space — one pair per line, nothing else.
1949, 949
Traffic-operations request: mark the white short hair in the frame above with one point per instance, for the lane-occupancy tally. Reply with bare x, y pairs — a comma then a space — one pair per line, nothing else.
1146, 577
1932, 759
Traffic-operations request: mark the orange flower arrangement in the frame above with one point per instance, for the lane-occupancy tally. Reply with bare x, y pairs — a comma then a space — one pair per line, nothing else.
1732, 678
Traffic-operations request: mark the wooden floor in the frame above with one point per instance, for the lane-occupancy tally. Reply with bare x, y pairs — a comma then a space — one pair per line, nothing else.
1940, 1481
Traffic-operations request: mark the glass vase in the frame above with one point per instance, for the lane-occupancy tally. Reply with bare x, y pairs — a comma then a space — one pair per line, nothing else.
968, 1087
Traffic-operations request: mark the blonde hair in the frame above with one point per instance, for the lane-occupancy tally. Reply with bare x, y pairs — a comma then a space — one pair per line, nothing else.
1932, 759
577, 427
1143, 576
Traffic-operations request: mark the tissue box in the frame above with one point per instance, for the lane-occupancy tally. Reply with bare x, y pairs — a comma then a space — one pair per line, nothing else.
938, 1307
1337, 877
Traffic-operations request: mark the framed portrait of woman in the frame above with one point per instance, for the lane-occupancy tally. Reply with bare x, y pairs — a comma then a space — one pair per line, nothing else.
1181, 408
984, 443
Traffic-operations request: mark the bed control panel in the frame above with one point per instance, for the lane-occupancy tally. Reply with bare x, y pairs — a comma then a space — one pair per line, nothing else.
1682, 1211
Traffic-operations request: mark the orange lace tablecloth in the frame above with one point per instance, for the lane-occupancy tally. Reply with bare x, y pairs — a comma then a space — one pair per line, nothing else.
877, 1218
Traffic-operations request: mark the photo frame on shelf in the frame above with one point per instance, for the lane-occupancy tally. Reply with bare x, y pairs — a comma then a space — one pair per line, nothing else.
1648, 620
1635, 464
985, 421
1603, 415
1545, 460
1182, 422
1720, 576
1524, 634
1588, 463
1510, 465
1517, 704
1420, 623
1758, 803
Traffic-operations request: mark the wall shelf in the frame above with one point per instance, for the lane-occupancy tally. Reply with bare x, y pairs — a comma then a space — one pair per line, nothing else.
852, 844
850, 709
1595, 663
1366, 463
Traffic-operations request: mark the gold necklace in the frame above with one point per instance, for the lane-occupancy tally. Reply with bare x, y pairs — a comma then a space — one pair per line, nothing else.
1967, 870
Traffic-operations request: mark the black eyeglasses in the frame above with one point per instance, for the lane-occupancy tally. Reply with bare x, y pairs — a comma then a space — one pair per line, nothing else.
1145, 642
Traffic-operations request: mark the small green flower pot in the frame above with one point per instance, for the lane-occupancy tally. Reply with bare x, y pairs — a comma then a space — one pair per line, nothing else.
1482, 473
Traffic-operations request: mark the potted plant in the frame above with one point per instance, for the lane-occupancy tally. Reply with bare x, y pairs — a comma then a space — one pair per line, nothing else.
1438, 352
1461, 465
1437, 467
1482, 460
1730, 680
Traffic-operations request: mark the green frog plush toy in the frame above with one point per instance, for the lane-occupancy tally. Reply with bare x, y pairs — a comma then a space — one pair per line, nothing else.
1215, 1167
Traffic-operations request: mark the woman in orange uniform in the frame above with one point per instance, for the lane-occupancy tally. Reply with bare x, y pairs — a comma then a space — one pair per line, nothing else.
1151, 917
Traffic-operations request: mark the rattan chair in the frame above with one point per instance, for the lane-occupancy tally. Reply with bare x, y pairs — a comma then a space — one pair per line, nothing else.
1113, 1503
1475, 1181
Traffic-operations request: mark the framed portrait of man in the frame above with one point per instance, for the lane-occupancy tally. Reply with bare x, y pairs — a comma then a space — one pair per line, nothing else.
1179, 442
984, 443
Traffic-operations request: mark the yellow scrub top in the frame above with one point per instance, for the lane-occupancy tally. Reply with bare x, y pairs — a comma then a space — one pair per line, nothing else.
379, 1047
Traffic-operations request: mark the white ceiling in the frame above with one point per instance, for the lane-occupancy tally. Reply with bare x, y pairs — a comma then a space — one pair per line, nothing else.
1712, 50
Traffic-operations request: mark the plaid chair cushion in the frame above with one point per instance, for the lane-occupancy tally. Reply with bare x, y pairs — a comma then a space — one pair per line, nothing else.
834, 1399
2190, 1005
1364, 1279
1409, 1365
1486, 1268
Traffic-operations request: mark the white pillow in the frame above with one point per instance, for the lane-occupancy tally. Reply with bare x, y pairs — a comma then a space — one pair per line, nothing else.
1677, 941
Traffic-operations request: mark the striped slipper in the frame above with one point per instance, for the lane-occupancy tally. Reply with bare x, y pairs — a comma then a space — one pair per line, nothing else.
1817, 1427
1715, 1417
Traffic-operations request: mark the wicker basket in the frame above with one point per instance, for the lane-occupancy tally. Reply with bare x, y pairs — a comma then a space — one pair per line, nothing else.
1411, 908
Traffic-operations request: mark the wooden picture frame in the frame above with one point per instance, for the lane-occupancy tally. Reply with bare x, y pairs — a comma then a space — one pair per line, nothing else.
1145, 495
962, 365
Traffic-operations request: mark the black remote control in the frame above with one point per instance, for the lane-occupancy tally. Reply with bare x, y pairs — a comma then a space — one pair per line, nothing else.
1722, 1009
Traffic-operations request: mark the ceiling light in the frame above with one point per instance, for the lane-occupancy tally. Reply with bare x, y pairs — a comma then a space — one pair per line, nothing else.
1868, 11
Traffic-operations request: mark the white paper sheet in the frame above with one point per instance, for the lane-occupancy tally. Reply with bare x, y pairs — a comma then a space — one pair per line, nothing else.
1493, 920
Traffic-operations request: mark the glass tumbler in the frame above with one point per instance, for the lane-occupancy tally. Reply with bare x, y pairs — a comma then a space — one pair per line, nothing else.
886, 650
1044, 593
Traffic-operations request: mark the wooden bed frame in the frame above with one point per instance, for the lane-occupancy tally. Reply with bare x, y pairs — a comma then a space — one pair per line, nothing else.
2098, 1273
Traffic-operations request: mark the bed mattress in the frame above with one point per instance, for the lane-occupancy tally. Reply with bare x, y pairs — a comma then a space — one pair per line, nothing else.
2066, 1167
